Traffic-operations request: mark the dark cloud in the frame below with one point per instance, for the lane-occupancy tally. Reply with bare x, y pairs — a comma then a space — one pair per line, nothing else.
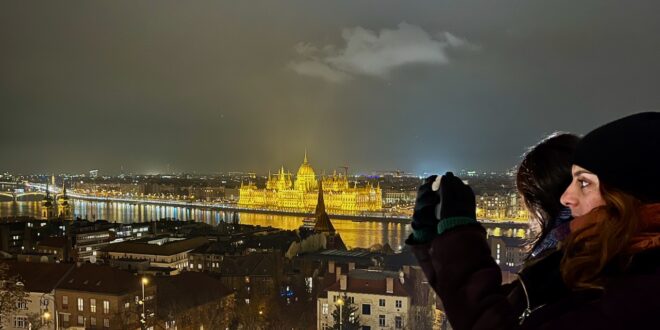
208, 86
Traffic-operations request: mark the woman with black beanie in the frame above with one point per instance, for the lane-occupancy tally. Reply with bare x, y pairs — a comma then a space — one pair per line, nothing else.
608, 268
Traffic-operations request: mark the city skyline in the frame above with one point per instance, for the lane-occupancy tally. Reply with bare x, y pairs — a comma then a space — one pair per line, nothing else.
211, 87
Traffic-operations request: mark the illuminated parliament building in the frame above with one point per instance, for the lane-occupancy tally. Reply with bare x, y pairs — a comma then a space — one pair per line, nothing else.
301, 194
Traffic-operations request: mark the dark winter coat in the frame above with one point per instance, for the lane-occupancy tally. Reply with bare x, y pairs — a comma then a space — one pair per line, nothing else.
459, 267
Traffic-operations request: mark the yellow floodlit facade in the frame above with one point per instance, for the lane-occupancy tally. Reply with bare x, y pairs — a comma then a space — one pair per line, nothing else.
282, 192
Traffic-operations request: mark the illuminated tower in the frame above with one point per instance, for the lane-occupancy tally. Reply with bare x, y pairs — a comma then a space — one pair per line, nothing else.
306, 178
63, 205
47, 208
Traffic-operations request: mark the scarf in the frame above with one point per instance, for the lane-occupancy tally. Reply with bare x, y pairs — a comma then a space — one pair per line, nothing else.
647, 238
557, 234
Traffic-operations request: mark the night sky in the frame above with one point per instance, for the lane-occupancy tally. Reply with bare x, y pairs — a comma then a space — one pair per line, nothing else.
214, 86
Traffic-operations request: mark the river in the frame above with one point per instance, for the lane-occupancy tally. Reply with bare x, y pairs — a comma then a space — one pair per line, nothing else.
362, 234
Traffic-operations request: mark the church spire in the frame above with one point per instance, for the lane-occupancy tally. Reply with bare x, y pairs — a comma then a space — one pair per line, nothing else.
305, 161
323, 223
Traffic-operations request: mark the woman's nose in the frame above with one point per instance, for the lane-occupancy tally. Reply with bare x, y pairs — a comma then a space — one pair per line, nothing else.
568, 197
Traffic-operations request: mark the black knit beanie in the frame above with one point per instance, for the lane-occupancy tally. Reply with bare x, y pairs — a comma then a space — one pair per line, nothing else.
625, 155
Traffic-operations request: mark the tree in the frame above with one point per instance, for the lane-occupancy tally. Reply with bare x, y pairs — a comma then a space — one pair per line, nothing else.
37, 321
421, 317
12, 293
350, 320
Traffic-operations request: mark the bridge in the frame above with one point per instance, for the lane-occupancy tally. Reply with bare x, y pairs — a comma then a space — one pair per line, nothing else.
14, 195
507, 228
21, 191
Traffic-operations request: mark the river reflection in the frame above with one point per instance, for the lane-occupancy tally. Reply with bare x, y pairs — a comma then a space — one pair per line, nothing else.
354, 234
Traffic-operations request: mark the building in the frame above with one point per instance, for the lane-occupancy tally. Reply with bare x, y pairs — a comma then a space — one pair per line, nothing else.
63, 205
381, 299
509, 253
162, 253
109, 189
206, 193
251, 276
87, 238
300, 195
17, 235
57, 246
509, 206
47, 206
193, 300
39, 282
102, 297
394, 197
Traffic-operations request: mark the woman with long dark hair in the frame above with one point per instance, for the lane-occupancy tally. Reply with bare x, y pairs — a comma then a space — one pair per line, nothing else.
541, 179
606, 274
542, 176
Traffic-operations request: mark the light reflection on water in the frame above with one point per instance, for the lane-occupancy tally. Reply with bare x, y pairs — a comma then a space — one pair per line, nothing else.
354, 234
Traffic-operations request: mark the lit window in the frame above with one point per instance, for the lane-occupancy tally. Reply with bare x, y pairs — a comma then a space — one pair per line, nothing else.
80, 320
20, 322
65, 302
92, 305
324, 309
65, 318
398, 322
106, 307
81, 305
106, 323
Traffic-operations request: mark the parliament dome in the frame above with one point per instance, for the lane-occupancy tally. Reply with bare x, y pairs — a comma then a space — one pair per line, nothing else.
305, 169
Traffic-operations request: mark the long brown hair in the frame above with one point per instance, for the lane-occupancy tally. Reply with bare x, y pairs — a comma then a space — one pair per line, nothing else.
590, 258
542, 177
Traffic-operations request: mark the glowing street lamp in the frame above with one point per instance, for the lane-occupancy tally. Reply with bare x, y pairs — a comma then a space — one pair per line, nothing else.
340, 302
144, 281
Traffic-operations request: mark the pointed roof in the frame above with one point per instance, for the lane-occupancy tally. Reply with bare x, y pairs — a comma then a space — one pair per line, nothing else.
64, 196
47, 199
323, 223
305, 160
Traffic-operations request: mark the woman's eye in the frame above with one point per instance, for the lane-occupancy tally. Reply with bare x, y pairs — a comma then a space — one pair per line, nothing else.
583, 183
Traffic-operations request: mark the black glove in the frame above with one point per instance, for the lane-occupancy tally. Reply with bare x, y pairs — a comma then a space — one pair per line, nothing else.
457, 198
424, 221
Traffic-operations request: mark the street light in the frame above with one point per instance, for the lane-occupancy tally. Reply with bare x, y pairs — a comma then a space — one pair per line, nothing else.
340, 302
144, 281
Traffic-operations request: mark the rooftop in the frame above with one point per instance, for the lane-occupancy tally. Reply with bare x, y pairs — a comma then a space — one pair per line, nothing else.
187, 290
371, 282
166, 247
100, 279
38, 277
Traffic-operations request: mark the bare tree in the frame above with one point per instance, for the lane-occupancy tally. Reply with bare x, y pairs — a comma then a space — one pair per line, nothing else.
12, 294
421, 317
